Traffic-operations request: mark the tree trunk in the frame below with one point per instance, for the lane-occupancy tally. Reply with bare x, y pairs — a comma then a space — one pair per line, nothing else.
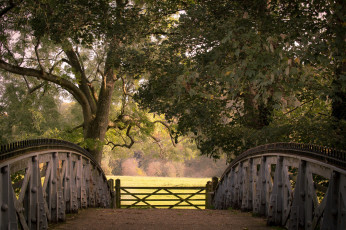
338, 95
95, 131
338, 85
256, 114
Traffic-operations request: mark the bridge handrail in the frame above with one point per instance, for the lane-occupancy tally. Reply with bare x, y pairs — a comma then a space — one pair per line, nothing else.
20, 147
293, 185
323, 154
50, 176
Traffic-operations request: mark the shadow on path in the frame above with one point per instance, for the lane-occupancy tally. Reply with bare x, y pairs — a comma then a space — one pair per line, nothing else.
161, 219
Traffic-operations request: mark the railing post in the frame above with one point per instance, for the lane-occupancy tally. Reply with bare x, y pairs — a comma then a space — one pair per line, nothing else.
276, 206
208, 194
334, 211
8, 218
117, 194
37, 218
298, 213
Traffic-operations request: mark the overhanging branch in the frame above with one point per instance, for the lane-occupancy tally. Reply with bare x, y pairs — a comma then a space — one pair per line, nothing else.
158, 142
313, 99
169, 130
77, 66
126, 145
37, 54
39, 74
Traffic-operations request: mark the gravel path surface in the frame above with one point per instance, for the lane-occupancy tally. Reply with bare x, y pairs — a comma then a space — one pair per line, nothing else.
161, 219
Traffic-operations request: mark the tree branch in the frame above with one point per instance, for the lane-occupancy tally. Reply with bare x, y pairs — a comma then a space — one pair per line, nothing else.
83, 82
66, 61
93, 92
11, 54
56, 62
39, 74
36, 88
124, 87
120, 118
158, 142
75, 128
81, 63
162, 33
299, 106
8, 8
31, 90
169, 130
37, 55
126, 145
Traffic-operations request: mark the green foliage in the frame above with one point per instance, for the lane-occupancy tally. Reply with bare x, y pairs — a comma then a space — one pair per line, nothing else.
230, 74
26, 113
17, 179
239, 74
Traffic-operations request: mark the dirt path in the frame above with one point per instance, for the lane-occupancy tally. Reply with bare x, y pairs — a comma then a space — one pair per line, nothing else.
161, 219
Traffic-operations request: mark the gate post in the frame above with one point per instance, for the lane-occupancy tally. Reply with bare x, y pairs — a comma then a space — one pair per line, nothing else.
111, 186
215, 181
117, 194
208, 194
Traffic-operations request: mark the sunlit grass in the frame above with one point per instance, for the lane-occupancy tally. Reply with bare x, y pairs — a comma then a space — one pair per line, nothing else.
139, 181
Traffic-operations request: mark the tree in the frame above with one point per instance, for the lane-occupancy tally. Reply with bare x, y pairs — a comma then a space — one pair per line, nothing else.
88, 48
236, 74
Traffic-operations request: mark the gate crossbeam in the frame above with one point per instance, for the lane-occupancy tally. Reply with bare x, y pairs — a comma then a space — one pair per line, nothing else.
159, 191
140, 199
184, 199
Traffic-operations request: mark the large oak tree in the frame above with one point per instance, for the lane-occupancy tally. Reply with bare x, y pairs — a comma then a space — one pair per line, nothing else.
88, 48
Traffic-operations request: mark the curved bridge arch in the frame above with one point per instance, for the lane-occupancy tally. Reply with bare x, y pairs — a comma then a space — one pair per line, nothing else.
299, 186
41, 180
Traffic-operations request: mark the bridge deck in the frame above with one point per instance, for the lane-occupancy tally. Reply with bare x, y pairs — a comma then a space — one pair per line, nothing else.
161, 219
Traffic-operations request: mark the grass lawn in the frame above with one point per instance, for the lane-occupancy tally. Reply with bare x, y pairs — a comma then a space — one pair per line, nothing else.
139, 181
136, 181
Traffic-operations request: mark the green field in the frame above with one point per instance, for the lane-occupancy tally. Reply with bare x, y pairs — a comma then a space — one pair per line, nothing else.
139, 181
164, 196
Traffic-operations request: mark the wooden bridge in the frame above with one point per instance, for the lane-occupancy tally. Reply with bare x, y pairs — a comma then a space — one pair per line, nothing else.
294, 185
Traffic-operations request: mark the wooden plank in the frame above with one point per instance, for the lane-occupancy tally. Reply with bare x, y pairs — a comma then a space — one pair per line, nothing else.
176, 188
159, 194
162, 205
163, 199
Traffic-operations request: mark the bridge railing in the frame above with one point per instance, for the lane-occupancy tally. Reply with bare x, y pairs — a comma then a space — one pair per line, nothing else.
41, 180
294, 185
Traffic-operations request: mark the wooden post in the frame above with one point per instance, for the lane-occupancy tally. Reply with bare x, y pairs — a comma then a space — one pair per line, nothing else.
208, 194
111, 186
215, 181
117, 194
